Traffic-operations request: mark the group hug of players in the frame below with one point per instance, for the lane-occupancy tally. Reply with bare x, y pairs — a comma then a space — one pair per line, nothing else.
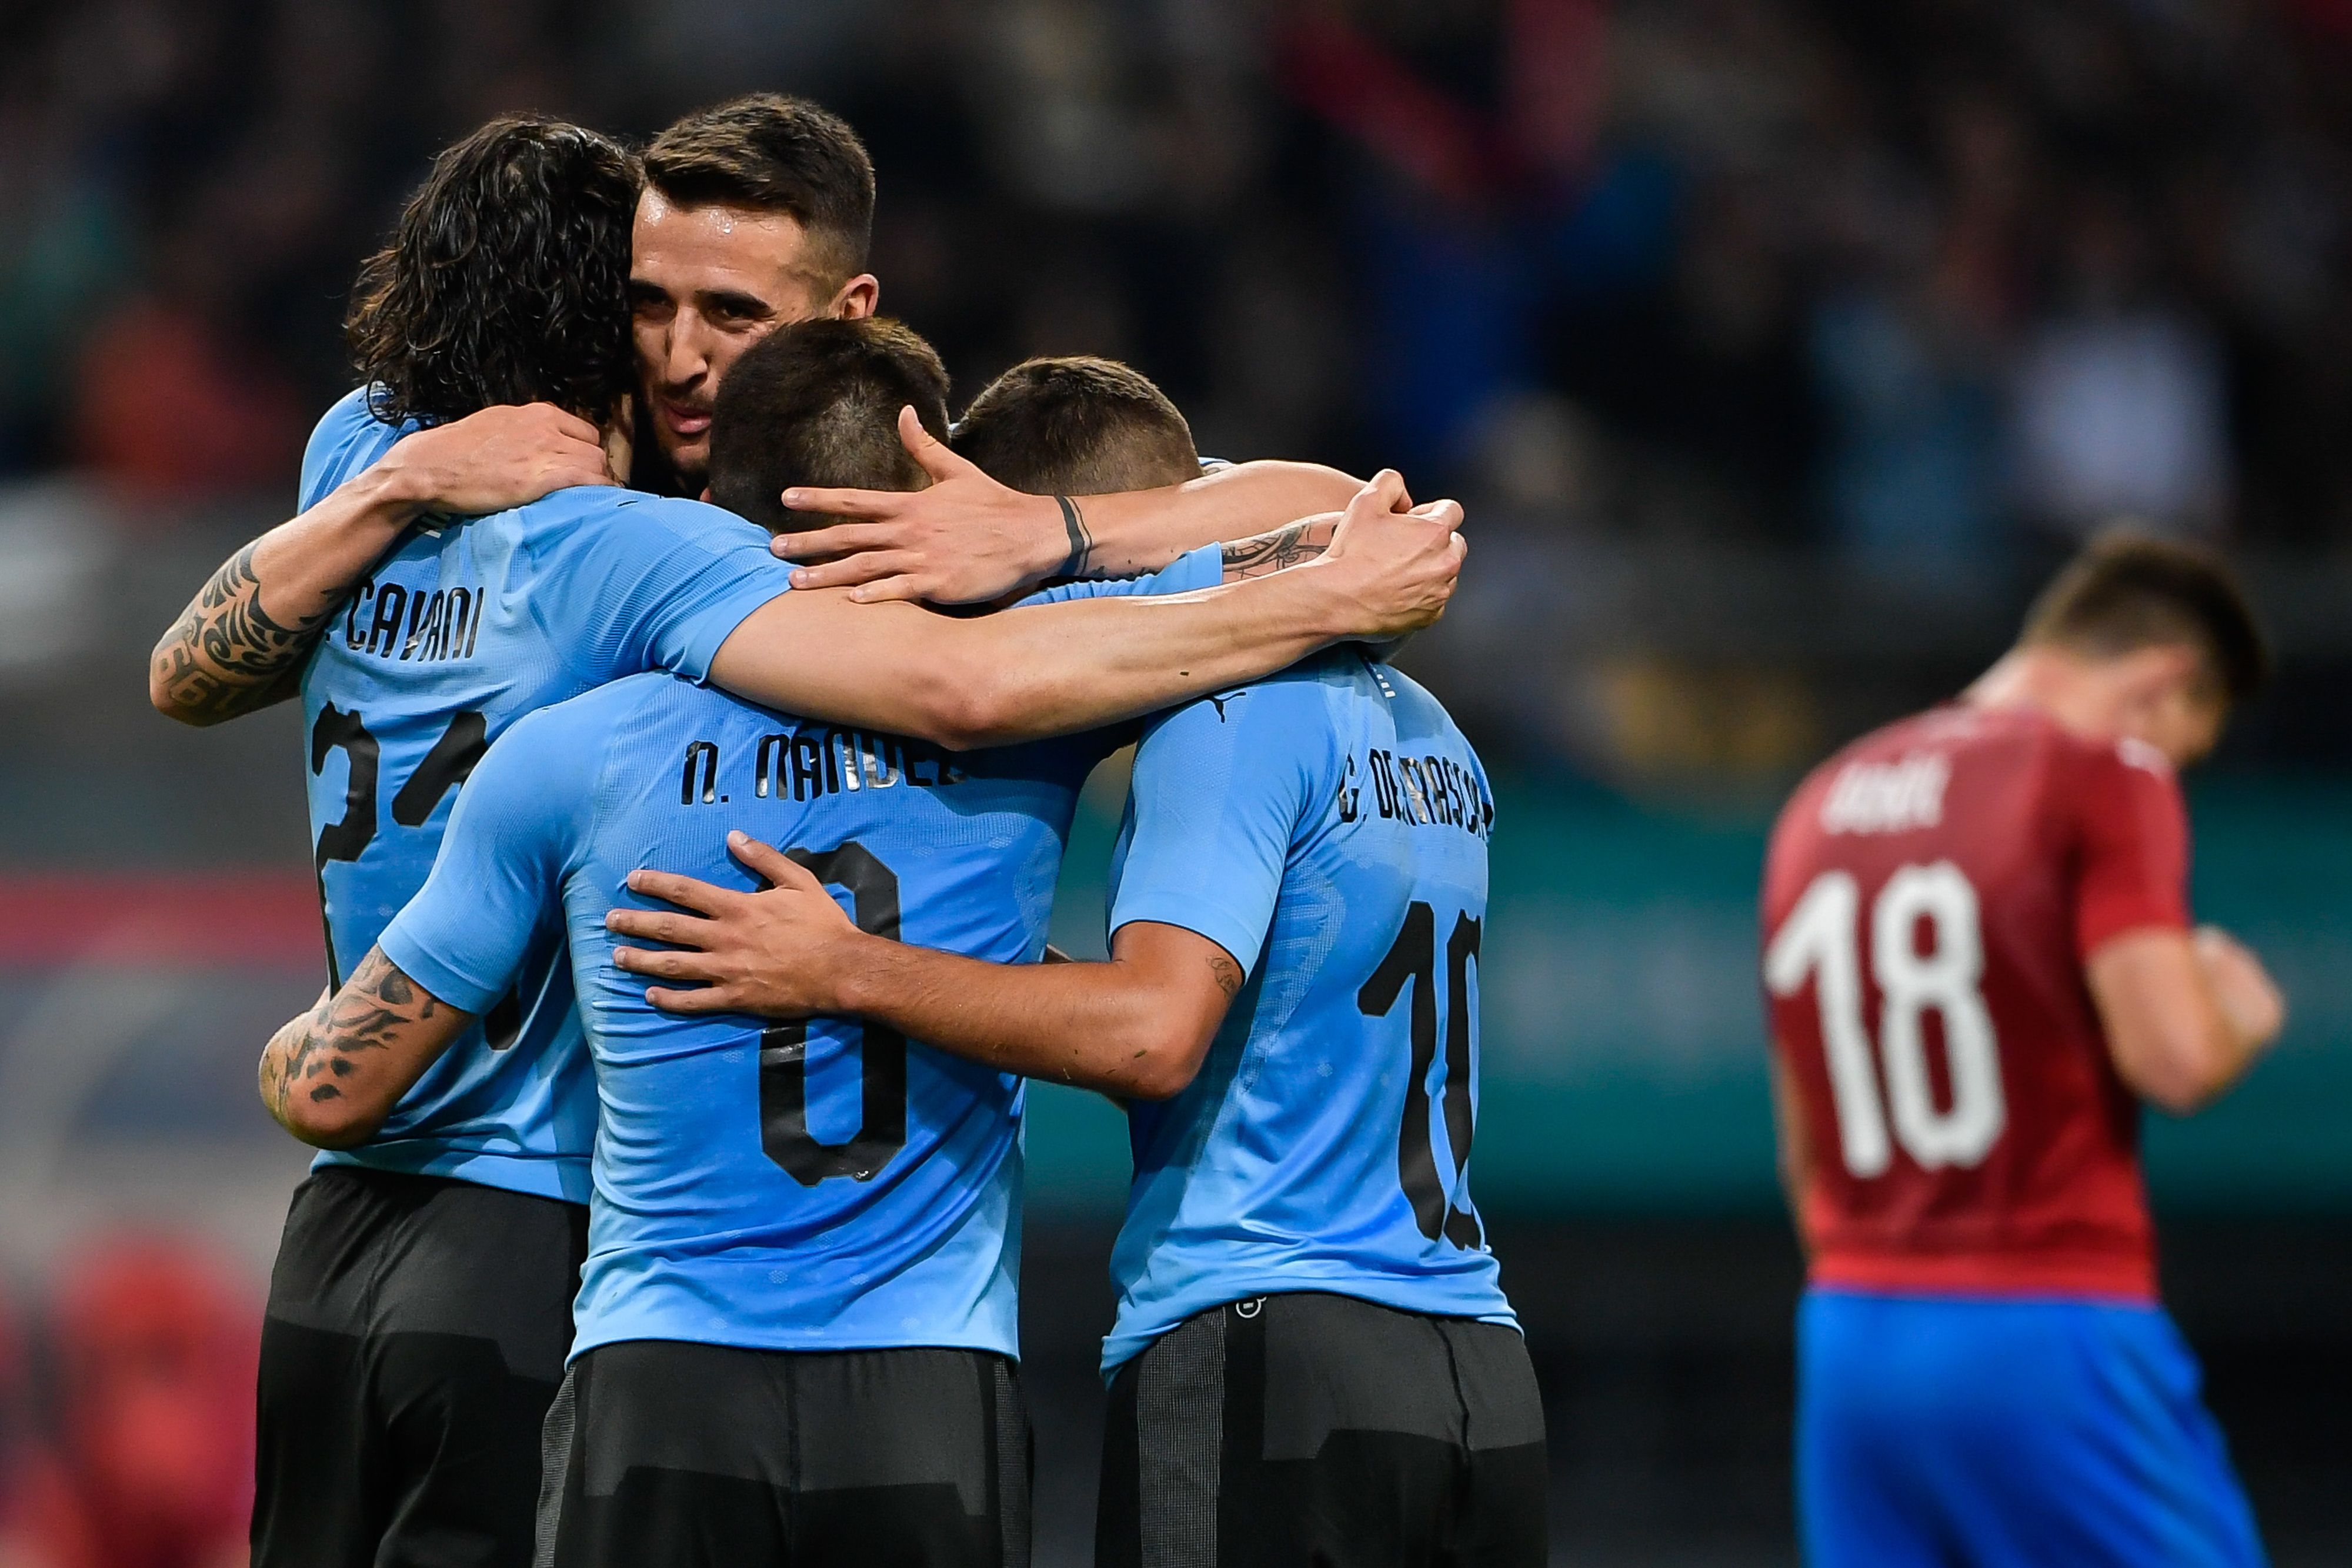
685, 911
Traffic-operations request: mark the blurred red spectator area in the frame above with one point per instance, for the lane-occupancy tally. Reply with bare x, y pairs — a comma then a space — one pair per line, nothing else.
147, 1461
257, 919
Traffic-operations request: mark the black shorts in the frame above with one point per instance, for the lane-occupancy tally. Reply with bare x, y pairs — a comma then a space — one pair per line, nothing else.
416, 1334
1297, 1429
662, 1454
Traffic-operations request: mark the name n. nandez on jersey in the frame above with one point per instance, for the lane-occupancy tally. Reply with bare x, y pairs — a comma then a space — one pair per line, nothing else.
813, 760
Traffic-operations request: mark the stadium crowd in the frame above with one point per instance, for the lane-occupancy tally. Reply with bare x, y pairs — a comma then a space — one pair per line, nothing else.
1918, 282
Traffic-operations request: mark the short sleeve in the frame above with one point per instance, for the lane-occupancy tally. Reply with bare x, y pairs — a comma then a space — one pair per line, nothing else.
1202, 568
655, 584
2133, 836
499, 873
347, 438
1221, 786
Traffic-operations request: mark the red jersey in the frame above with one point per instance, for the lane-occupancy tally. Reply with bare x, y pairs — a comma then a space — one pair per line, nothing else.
1930, 898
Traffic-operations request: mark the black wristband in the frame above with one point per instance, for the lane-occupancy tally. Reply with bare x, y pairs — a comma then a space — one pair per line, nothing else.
1082, 543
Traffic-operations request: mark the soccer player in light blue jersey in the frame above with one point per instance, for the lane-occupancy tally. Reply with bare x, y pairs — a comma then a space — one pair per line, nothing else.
420, 1308
1313, 1359
796, 1321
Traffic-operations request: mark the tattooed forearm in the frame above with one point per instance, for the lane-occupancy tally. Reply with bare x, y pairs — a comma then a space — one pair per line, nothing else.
225, 655
323, 1055
1262, 554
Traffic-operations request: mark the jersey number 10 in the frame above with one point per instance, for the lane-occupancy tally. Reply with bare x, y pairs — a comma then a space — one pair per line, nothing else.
1413, 960
1819, 940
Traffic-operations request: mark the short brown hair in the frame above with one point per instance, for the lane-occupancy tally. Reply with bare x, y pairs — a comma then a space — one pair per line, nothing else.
505, 280
1079, 426
773, 153
817, 403
2128, 591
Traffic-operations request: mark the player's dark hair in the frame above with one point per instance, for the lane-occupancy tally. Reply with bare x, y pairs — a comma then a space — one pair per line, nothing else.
817, 403
505, 280
1079, 427
2126, 592
773, 153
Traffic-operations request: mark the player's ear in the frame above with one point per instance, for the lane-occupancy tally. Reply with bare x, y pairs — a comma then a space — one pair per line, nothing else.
2151, 676
857, 299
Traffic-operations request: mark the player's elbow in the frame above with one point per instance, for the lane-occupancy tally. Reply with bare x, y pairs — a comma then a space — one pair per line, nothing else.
324, 1117
2176, 1098
166, 698
2181, 1074
1153, 1077
967, 705
1167, 1058
2169, 1037
2182, 1090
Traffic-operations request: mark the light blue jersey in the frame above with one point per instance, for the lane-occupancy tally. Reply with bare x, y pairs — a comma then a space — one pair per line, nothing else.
1328, 827
821, 1186
462, 630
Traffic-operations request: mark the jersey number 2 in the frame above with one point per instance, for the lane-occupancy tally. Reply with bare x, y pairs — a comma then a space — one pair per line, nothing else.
783, 1049
444, 768
1819, 940
1412, 960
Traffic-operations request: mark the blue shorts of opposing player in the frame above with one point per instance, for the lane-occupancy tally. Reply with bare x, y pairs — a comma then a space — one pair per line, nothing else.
1965, 1433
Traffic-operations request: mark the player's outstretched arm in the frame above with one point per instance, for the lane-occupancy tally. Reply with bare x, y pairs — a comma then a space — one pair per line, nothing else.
1054, 669
240, 644
1136, 1027
333, 1075
2184, 1015
968, 539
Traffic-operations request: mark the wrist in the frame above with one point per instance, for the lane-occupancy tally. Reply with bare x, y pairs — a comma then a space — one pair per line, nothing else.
1331, 611
394, 491
852, 968
1046, 539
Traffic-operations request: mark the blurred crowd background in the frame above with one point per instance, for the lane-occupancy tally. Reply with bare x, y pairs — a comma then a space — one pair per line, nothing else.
1778, 347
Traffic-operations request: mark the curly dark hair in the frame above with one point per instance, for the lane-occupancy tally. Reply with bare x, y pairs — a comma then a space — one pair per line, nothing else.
506, 281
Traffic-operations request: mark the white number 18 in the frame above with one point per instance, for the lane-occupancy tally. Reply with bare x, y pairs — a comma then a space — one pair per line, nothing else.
1819, 940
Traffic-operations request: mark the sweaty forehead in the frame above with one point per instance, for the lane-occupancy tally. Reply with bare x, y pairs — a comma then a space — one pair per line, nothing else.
685, 249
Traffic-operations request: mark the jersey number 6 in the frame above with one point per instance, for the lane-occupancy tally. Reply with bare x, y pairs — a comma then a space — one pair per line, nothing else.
783, 1049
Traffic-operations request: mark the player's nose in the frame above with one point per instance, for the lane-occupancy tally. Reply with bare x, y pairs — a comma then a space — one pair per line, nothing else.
686, 358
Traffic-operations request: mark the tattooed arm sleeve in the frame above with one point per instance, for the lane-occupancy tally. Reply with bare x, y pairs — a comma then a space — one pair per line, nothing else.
1262, 554
227, 656
240, 644
333, 1075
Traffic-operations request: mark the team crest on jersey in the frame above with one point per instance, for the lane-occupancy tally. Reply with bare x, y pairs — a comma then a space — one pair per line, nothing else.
1888, 798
